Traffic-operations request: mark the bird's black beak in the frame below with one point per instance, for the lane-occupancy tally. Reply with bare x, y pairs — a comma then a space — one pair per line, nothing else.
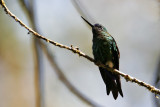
87, 21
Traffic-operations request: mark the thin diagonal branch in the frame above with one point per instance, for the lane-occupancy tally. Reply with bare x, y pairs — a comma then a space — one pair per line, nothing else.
38, 74
157, 84
38, 57
77, 51
42, 37
64, 79
82, 10
50, 56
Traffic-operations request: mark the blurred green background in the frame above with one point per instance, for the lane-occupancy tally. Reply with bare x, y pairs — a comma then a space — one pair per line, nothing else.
134, 24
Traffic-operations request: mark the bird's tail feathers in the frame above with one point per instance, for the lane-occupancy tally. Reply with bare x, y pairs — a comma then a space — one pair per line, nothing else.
112, 82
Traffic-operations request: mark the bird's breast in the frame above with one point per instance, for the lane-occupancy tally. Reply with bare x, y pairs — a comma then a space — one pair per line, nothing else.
102, 51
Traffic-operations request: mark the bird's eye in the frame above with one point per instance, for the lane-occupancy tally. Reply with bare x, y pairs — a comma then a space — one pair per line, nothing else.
100, 27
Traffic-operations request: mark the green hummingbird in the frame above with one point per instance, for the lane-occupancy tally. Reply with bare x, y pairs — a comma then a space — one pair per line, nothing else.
105, 50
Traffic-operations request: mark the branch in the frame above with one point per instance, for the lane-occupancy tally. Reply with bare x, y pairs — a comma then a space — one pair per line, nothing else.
157, 84
77, 51
64, 79
38, 57
82, 10
59, 72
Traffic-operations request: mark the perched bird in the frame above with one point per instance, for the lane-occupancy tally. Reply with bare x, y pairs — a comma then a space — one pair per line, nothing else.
105, 50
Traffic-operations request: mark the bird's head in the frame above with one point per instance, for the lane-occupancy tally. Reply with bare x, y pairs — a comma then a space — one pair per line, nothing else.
97, 29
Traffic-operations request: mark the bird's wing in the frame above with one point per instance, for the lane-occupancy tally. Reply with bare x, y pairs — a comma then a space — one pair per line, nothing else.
116, 54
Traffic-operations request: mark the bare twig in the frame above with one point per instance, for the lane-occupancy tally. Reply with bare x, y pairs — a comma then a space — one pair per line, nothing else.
52, 60
77, 51
82, 10
157, 84
65, 81
38, 74
38, 59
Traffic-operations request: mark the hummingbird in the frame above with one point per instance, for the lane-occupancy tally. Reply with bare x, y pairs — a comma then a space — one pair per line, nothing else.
105, 51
